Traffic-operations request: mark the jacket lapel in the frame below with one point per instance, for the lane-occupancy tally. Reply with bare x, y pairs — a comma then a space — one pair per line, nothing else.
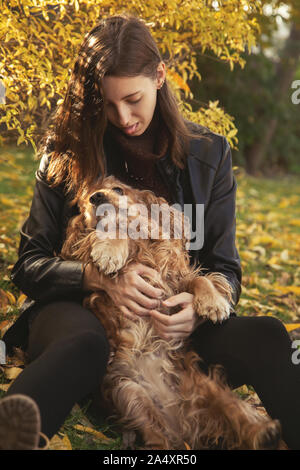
192, 185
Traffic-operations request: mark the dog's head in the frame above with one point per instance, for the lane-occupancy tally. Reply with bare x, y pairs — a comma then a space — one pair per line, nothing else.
111, 196
115, 205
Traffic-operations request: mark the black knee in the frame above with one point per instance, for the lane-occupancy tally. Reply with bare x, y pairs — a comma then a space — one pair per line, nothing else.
271, 329
91, 350
270, 342
94, 343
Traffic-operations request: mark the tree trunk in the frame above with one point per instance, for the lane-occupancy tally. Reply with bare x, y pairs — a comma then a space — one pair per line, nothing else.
286, 68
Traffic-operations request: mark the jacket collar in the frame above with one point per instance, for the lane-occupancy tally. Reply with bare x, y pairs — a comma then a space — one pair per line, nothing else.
171, 174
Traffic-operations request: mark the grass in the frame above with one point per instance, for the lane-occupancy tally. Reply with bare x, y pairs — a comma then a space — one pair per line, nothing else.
268, 241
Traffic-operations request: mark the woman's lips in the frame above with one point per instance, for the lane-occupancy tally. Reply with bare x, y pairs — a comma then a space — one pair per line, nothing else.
131, 129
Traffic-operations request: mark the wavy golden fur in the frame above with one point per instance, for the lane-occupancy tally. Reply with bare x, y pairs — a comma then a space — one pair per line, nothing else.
156, 387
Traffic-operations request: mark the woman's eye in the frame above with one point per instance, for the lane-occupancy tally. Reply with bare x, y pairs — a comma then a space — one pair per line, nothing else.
133, 102
118, 190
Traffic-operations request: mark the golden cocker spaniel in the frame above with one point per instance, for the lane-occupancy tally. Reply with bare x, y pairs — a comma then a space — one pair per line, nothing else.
155, 386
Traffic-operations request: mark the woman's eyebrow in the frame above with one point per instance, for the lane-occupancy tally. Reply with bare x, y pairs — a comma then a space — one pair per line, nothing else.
108, 101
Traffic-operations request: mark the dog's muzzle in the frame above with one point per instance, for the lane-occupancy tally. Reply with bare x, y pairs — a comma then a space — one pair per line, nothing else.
98, 198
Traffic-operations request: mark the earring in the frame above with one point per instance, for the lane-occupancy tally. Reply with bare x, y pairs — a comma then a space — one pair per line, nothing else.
161, 85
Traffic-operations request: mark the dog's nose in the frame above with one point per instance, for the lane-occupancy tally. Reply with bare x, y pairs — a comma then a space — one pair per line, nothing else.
98, 198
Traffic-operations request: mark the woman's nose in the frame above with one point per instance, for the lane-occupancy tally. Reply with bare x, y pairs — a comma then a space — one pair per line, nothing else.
124, 116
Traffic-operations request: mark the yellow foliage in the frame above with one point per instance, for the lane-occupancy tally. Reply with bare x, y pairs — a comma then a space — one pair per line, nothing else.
40, 39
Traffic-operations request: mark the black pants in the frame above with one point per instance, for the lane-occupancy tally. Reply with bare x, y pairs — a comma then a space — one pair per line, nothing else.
68, 352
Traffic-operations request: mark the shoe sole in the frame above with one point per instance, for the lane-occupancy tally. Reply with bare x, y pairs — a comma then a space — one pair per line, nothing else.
20, 423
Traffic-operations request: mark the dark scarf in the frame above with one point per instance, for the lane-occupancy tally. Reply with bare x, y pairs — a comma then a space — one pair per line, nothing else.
139, 154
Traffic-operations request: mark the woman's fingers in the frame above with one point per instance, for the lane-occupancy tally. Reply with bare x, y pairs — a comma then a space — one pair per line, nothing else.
137, 309
179, 325
136, 295
146, 288
143, 285
127, 313
146, 302
184, 298
177, 322
142, 269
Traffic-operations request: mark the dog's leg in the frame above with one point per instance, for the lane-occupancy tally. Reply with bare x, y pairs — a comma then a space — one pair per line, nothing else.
137, 410
212, 295
128, 439
143, 417
212, 415
109, 255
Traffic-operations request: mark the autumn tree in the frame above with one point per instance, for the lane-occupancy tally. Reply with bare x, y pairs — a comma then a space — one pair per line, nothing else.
259, 96
40, 39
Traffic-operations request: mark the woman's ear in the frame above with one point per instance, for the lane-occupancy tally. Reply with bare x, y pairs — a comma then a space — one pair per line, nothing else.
160, 74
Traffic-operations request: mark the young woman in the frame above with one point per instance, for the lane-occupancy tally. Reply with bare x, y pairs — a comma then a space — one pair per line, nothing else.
120, 117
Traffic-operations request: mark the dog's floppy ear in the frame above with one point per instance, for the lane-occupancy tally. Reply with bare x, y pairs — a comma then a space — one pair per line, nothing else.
76, 230
179, 226
147, 197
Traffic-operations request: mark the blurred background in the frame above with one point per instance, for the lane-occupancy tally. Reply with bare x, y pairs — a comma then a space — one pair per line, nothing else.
235, 68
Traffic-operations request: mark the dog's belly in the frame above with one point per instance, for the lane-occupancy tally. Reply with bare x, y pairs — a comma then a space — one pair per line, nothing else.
143, 371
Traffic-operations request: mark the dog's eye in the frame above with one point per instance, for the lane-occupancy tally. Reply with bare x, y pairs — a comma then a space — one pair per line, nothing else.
118, 190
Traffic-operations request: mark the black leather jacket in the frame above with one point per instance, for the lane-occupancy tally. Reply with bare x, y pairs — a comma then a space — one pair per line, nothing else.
207, 179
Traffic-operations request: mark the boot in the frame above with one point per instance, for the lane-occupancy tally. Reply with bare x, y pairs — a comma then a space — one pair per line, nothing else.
20, 423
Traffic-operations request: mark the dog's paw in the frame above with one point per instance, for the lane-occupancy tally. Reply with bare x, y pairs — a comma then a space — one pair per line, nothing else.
109, 259
269, 436
216, 309
208, 301
128, 439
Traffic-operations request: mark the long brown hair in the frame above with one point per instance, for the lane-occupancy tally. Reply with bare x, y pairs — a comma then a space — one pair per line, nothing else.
120, 45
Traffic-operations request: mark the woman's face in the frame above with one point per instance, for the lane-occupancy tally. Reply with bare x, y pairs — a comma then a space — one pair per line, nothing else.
130, 101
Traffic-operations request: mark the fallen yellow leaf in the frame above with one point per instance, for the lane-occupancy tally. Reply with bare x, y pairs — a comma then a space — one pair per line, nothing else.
89, 430
295, 222
12, 373
264, 240
284, 255
11, 297
287, 289
253, 292
3, 324
56, 443
6, 201
291, 326
275, 266
21, 299
3, 299
4, 387
247, 255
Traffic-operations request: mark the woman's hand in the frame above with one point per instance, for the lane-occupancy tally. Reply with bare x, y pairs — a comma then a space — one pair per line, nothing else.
133, 295
181, 324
